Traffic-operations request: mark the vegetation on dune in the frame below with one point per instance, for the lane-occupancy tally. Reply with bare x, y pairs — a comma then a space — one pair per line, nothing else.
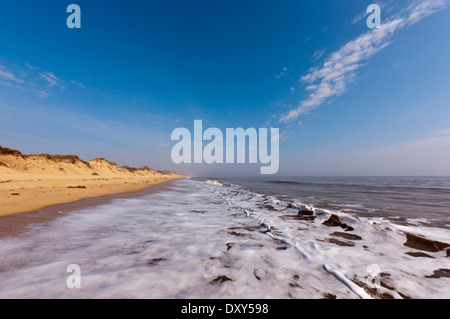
73, 159
9, 151
166, 172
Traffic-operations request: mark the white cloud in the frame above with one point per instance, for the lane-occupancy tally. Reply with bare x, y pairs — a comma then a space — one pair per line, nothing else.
423, 10
81, 85
318, 54
9, 77
385, 7
33, 79
282, 73
31, 67
359, 17
50, 78
338, 71
42, 94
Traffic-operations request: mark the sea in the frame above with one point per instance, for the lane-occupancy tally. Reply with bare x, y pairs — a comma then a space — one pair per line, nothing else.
258, 238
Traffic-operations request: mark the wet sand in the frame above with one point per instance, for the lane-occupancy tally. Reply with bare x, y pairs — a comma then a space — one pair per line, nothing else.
15, 224
25, 193
32, 182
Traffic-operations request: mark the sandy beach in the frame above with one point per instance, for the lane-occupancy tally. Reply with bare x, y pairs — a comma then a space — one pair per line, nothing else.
32, 182
205, 238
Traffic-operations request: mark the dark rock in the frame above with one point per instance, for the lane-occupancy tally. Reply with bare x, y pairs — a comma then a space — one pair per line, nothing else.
154, 261
421, 243
346, 236
220, 279
440, 273
333, 221
418, 254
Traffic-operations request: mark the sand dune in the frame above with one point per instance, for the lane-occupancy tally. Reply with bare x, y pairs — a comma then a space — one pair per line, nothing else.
31, 182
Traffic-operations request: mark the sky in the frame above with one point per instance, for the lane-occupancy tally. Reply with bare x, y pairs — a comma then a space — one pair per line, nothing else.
348, 100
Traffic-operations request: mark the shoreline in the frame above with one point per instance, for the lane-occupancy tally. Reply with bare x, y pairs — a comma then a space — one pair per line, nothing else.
26, 193
32, 182
16, 224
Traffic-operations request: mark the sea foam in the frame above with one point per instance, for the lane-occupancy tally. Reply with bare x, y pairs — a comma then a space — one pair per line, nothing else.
218, 241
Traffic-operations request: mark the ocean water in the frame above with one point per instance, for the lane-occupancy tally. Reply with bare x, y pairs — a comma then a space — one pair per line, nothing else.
284, 238
396, 198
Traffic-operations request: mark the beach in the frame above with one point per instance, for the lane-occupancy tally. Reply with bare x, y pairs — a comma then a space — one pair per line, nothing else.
209, 238
32, 182
25, 193
215, 152
141, 233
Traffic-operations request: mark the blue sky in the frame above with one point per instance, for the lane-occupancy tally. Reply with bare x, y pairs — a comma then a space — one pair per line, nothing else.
348, 100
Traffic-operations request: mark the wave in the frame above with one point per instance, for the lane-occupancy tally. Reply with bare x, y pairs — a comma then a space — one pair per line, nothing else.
287, 182
374, 188
345, 245
212, 239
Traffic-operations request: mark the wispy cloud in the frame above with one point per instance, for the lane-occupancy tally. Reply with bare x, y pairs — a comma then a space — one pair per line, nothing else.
282, 73
318, 54
81, 85
7, 76
338, 71
42, 94
386, 7
31, 67
50, 78
30, 78
359, 17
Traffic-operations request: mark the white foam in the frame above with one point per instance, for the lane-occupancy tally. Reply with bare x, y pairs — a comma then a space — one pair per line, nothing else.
214, 183
174, 244
350, 284
381, 244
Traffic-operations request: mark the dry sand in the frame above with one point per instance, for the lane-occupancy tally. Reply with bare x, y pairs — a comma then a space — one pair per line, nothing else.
32, 182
